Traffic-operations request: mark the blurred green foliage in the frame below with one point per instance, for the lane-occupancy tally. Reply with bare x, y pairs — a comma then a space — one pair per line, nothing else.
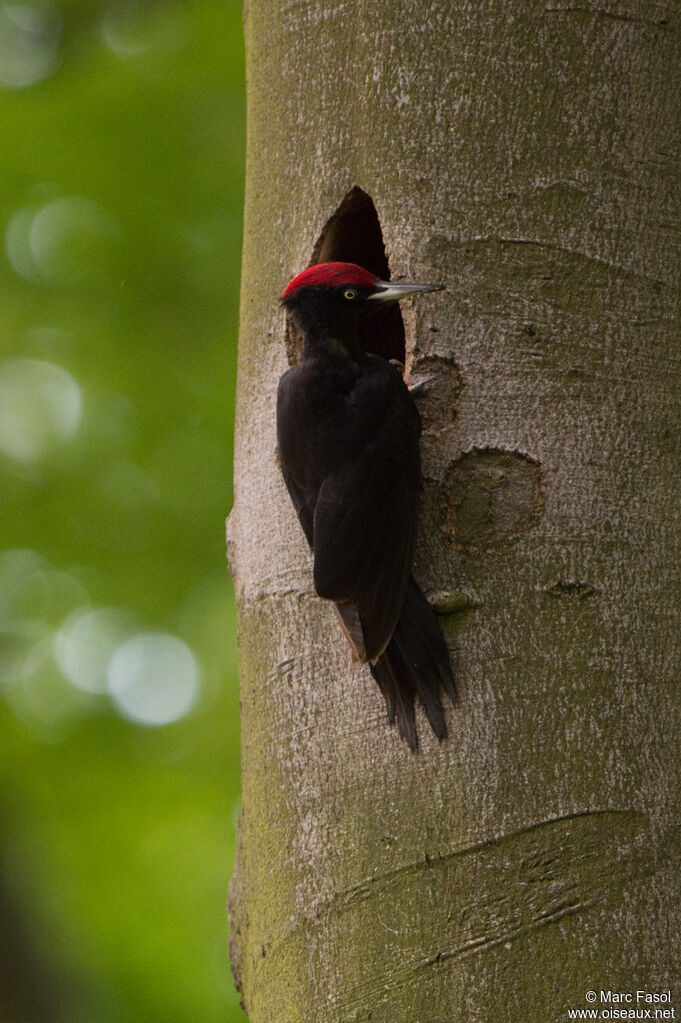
122, 126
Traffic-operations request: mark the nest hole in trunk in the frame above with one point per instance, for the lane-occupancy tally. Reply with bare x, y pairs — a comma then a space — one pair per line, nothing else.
352, 234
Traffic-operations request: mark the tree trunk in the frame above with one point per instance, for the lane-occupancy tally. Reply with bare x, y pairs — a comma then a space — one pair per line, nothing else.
527, 156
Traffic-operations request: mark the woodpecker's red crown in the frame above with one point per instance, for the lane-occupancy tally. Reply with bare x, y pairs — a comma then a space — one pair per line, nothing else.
331, 274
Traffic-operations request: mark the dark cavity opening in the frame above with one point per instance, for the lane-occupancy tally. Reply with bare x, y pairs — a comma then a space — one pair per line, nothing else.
352, 234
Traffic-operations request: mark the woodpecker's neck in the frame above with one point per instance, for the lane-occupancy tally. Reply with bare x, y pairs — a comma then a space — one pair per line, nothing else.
328, 335
334, 345
328, 325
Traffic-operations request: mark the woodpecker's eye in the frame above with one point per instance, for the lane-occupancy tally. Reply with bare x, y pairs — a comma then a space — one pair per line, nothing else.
350, 293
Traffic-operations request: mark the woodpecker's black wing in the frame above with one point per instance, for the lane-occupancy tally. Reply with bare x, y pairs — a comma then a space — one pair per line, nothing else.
296, 459
349, 454
306, 465
365, 513
303, 500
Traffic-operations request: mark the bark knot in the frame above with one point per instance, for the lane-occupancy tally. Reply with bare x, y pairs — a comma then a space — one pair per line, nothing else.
492, 497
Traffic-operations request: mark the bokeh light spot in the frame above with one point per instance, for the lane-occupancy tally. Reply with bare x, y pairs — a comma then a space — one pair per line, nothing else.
16, 244
31, 588
153, 679
34, 597
40, 407
29, 43
131, 29
69, 239
86, 642
19, 642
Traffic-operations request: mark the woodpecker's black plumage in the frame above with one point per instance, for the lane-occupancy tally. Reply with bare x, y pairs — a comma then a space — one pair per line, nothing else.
348, 433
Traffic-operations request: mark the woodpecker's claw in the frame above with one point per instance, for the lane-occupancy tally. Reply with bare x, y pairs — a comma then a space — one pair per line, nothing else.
419, 385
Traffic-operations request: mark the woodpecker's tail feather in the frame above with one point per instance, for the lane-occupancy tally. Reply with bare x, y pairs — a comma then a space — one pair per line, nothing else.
415, 665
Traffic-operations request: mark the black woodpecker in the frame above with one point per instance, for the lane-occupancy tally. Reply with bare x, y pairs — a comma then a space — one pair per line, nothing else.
348, 433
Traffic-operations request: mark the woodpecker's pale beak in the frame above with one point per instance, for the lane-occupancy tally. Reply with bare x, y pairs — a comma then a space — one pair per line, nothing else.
389, 291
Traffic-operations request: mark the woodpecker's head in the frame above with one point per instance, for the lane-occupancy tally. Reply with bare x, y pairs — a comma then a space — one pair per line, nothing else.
332, 297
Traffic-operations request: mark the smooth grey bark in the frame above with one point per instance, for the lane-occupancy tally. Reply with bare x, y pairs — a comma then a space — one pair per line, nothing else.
528, 155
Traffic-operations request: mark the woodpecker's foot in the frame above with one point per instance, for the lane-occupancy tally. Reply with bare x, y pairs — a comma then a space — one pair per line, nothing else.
419, 385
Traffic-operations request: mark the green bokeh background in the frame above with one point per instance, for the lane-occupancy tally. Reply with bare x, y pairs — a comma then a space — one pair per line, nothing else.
122, 127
